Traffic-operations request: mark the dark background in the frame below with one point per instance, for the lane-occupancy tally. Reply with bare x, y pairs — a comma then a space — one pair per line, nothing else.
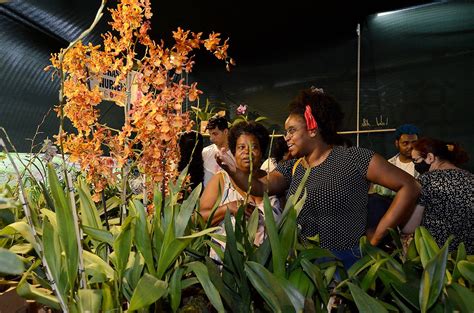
416, 63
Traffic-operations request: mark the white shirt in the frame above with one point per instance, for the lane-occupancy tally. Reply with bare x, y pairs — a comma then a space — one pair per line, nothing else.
407, 167
210, 165
269, 165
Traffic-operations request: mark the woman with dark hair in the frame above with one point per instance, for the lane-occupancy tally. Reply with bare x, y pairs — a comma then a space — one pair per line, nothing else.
338, 183
447, 199
190, 146
248, 142
279, 152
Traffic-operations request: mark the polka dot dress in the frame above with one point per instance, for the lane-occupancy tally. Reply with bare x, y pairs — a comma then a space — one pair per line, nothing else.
337, 195
448, 198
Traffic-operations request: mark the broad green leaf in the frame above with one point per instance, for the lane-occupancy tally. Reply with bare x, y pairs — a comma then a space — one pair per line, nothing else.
360, 265
466, 269
289, 298
108, 299
122, 245
133, 273
186, 210
314, 272
10, 263
267, 292
169, 253
364, 302
425, 245
148, 291
21, 248
100, 235
200, 233
203, 276
460, 256
461, 297
94, 264
88, 210
41, 295
260, 118
252, 225
52, 254
288, 234
175, 288
278, 259
142, 236
24, 230
371, 275
66, 229
90, 300
433, 278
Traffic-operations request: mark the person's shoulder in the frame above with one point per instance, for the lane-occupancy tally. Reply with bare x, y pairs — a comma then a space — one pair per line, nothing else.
393, 159
209, 150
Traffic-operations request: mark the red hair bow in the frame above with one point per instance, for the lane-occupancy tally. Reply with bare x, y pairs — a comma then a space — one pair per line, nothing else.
310, 120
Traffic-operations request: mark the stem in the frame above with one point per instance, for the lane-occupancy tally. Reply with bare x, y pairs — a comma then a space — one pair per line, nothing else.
104, 203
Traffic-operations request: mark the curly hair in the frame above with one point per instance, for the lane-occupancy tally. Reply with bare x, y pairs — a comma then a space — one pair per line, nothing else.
252, 128
451, 152
187, 141
326, 110
279, 148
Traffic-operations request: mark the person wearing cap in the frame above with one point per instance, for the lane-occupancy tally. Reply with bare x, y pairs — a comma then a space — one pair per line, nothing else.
218, 129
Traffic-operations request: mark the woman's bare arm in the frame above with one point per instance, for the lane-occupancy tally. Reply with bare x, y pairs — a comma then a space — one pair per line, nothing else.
383, 173
273, 183
414, 221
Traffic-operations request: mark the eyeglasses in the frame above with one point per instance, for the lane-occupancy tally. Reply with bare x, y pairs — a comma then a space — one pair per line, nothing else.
417, 160
290, 132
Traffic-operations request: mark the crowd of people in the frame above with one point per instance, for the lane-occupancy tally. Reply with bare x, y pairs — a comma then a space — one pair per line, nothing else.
351, 191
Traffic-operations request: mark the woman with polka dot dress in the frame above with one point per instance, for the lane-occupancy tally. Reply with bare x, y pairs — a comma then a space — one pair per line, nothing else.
337, 187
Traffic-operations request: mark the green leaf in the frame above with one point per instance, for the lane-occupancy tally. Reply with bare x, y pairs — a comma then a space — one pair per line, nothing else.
66, 228
360, 265
52, 254
94, 265
41, 295
364, 302
170, 252
175, 288
24, 230
371, 275
10, 263
278, 259
461, 297
88, 210
466, 269
267, 293
425, 244
90, 300
288, 297
100, 235
460, 255
260, 118
433, 278
148, 291
142, 236
122, 245
314, 272
186, 210
203, 276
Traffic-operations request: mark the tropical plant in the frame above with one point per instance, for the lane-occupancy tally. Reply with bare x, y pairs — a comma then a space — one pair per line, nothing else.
426, 279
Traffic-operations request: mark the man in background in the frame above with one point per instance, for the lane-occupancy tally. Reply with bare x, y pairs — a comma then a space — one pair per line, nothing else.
380, 197
218, 129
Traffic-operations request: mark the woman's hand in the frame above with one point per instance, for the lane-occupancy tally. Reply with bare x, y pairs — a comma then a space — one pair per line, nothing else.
225, 161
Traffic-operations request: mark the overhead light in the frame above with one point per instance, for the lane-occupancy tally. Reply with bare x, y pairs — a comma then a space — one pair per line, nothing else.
410, 8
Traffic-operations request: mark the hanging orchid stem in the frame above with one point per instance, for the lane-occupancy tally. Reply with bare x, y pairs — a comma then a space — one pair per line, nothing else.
61, 127
29, 220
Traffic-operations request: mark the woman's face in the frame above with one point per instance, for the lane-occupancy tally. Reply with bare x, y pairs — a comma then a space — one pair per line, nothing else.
245, 143
296, 135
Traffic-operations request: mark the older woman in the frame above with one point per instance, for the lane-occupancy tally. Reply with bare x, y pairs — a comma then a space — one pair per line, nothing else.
338, 183
446, 203
248, 142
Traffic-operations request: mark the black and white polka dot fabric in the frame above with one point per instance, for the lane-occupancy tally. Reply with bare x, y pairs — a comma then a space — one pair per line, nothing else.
337, 195
448, 198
